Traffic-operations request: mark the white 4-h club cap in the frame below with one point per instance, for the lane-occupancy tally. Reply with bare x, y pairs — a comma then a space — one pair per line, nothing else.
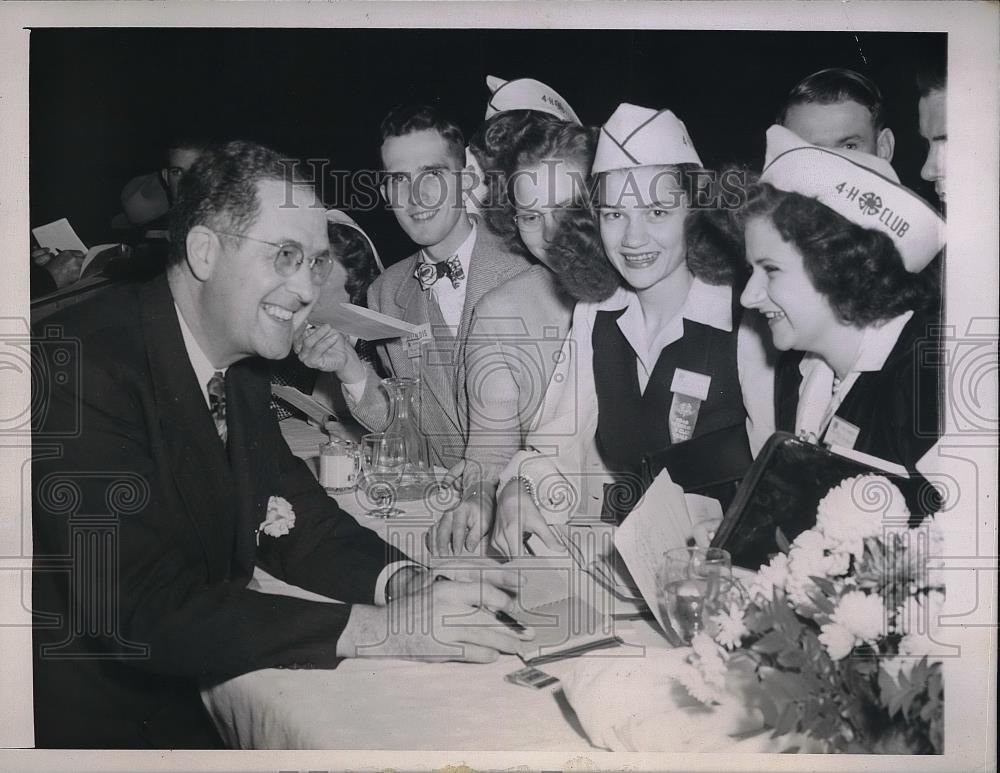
860, 187
526, 94
639, 136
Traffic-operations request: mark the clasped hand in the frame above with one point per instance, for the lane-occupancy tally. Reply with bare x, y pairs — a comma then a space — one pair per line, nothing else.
440, 620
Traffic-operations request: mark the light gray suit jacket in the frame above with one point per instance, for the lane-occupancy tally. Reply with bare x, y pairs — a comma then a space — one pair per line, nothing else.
439, 364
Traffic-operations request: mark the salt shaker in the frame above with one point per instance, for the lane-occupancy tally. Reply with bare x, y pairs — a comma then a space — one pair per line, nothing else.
338, 466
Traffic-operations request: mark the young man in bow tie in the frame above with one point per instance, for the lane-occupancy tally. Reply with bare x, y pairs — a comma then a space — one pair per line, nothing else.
436, 288
161, 480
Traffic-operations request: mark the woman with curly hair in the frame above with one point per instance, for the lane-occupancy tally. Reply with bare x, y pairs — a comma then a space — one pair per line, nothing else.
356, 266
837, 249
518, 328
668, 359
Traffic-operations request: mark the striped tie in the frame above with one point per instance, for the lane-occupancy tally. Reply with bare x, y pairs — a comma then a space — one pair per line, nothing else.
217, 402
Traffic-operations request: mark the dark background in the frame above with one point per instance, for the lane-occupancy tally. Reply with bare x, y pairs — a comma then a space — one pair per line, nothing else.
104, 102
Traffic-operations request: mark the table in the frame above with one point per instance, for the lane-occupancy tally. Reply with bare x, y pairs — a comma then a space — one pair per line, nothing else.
394, 704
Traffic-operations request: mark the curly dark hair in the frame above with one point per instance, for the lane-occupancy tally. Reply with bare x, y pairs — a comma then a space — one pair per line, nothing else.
577, 257
355, 254
493, 144
714, 245
220, 190
858, 270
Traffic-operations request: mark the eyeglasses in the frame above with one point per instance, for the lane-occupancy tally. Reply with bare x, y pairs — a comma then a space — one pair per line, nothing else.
529, 222
289, 259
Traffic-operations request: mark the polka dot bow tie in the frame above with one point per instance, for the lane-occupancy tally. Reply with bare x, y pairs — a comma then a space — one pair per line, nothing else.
428, 273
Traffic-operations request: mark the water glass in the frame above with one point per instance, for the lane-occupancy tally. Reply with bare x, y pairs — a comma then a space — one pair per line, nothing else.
689, 581
383, 459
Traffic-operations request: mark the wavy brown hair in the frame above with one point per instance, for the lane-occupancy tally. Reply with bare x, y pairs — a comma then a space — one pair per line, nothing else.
858, 270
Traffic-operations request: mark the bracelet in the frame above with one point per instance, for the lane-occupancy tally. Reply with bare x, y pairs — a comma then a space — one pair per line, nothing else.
529, 486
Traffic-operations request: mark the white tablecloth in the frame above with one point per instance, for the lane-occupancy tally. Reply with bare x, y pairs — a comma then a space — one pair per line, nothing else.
393, 704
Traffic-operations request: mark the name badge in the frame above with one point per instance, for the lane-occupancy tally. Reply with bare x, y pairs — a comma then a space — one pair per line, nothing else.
691, 384
417, 339
841, 433
689, 389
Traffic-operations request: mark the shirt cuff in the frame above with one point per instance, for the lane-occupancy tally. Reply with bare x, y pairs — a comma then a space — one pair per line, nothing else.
385, 575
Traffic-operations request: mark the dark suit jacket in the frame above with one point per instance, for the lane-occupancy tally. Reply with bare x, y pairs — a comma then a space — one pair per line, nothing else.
441, 364
144, 532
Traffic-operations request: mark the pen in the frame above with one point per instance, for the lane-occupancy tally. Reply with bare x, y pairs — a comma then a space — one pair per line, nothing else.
572, 652
510, 622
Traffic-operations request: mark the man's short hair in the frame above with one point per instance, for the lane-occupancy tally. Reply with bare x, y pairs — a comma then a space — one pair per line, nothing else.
220, 190
188, 142
932, 75
406, 119
834, 85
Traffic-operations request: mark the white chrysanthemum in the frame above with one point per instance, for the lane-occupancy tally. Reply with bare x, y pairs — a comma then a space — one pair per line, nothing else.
837, 639
773, 575
710, 658
857, 509
694, 682
861, 614
925, 552
730, 625
919, 617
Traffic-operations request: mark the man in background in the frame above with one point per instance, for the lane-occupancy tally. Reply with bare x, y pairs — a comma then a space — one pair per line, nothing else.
932, 85
839, 108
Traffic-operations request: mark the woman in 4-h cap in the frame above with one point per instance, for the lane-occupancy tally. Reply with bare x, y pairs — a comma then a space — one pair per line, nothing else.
664, 361
519, 327
837, 249
529, 127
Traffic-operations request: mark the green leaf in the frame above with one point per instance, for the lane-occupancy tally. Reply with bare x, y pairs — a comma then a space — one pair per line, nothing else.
825, 585
791, 658
782, 541
771, 643
823, 604
787, 721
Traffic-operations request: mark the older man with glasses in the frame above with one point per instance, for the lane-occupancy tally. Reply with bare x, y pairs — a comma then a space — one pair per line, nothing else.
161, 481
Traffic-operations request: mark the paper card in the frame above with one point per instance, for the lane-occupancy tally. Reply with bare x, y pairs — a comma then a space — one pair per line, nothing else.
58, 235
363, 323
90, 266
660, 522
310, 406
873, 461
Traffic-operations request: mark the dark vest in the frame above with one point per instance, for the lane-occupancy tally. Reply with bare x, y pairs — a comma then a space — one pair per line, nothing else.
632, 425
897, 409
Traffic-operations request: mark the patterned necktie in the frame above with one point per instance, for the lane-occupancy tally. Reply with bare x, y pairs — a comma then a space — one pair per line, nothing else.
217, 402
428, 273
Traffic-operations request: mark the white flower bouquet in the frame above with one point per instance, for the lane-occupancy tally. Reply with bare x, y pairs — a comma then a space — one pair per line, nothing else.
839, 630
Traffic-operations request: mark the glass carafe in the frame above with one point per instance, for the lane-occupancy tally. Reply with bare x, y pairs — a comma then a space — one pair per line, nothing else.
403, 421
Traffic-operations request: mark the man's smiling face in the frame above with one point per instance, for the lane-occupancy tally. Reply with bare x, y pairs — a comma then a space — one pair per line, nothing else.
250, 308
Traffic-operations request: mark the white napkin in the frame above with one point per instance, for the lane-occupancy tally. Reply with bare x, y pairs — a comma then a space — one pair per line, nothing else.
637, 704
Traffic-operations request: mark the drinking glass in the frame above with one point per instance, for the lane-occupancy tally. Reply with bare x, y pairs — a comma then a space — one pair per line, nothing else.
383, 459
690, 579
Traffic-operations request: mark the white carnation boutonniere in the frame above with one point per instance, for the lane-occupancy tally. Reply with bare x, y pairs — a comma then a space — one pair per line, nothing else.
280, 518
